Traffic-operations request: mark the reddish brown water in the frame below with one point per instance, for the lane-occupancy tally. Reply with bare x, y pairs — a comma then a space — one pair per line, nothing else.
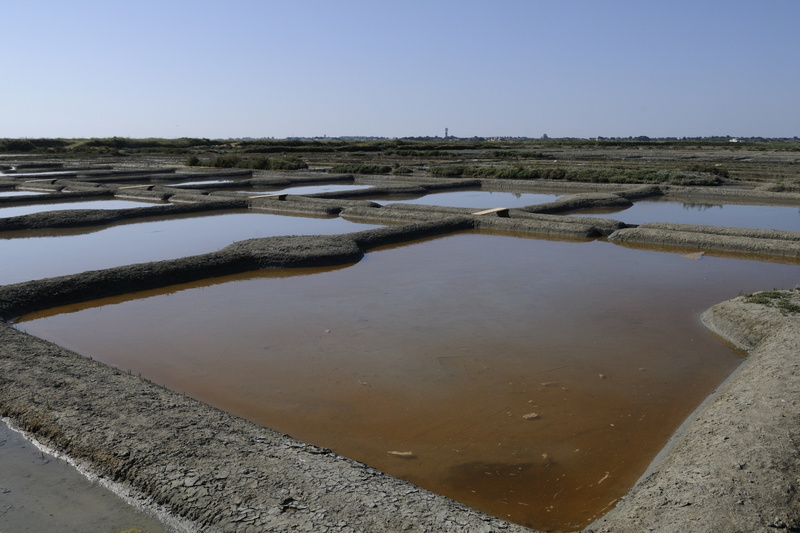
533, 380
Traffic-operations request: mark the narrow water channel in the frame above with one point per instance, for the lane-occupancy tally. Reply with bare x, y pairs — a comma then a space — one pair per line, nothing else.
534, 380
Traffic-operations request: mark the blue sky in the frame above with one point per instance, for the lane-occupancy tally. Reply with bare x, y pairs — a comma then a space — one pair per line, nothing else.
310, 68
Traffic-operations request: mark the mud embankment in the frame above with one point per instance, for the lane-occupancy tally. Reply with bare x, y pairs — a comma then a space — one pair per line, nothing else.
734, 466
765, 243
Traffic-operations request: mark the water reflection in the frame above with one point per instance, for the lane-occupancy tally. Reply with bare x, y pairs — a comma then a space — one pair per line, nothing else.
730, 215
27, 255
20, 193
475, 199
28, 209
308, 189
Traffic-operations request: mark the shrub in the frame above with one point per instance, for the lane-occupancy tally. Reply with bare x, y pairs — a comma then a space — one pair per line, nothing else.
571, 174
710, 169
361, 168
253, 163
774, 298
287, 163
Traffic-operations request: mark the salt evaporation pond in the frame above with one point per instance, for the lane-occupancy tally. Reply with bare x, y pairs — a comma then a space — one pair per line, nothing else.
28, 255
309, 189
476, 199
20, 193
28, 209
731, 215
534, 380
202, 182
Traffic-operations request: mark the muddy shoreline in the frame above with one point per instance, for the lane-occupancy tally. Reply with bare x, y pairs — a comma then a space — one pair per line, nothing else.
733, 467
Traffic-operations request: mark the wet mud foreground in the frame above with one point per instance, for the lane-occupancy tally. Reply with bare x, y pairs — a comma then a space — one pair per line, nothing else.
732, 467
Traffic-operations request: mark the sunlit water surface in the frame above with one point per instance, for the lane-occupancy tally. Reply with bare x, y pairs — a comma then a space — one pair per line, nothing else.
476, 199
27, 255
20, 193
309, 189
19, 210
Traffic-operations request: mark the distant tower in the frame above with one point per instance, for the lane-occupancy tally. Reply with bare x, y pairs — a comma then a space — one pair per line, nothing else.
445, 133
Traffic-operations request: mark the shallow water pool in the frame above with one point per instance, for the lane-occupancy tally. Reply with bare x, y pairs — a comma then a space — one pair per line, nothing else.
731, 215
19, 210
476, 199
534, 380
310, 189
20, 193
42, 493
28, 255
200, 182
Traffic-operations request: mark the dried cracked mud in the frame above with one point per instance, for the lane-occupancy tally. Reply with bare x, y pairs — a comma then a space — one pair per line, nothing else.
732, 466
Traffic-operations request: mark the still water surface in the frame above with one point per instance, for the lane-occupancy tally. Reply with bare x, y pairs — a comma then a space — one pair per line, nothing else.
476, 199
531, 379
39, 492
731, 215
19, 210
310, 189
36, 254
20, 193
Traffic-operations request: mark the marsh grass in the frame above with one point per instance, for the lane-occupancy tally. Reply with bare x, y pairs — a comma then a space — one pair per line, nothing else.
253, 163
518, 172
361, 168
774, 298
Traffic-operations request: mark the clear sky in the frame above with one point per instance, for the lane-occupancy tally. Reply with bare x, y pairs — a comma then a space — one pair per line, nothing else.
236, 68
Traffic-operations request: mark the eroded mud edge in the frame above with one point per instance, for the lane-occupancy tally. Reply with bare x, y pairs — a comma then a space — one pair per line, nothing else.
735, 464
733, 467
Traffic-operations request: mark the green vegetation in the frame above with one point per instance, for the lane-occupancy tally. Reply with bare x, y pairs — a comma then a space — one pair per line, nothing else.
709, 169
32, 145
697, 161
406, 147
514, 154
255, 163
361, 168
774, 298
417, 153
573, 174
